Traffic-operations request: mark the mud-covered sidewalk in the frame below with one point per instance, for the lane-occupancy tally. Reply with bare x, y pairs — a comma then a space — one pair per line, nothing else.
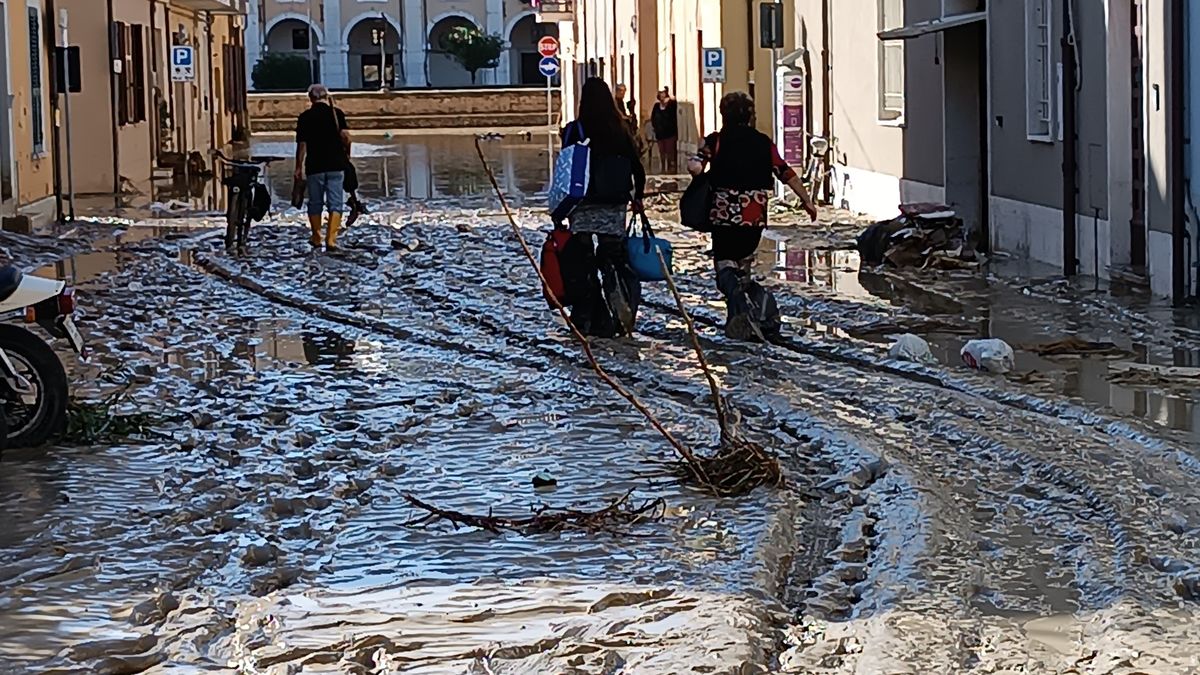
934, 518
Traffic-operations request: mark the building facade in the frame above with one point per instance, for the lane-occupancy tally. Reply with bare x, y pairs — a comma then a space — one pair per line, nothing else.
976, 104
26, 160
366, 44
133, 117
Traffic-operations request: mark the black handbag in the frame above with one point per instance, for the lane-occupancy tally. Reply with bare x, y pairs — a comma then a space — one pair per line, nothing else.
695, 206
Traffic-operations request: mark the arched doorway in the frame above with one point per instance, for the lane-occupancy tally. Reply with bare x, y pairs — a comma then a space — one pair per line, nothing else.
373, 47
296, 36
444, 71
522, 50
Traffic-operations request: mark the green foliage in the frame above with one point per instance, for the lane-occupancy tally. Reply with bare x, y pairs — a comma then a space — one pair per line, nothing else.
473, 49
282, 72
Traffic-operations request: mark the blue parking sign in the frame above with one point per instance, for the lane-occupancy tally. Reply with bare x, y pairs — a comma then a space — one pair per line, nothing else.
714, 64
183, 63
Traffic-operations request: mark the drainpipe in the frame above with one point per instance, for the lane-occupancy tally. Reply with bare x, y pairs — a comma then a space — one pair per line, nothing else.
112, 103
751, 51
152, 104
1070, 144
51, 23
827, 89
1177, 177
212, 93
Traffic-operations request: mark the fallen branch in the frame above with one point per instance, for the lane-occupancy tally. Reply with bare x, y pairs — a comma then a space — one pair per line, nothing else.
739, 464
544, 519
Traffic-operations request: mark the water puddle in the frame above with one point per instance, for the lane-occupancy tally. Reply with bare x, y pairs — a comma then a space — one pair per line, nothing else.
428, 167
967, 307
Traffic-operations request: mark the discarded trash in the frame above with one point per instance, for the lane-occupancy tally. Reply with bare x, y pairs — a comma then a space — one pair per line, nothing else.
1075, 346
909, 347
923, 235
544, 480
992, 355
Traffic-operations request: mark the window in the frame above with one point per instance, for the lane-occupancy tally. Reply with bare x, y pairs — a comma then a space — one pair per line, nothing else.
38, 123
891, 63
300, 39
1038, 76
137, 72
234, 60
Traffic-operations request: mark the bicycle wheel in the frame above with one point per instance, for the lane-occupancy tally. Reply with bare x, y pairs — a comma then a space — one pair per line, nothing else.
244, 225
233, 218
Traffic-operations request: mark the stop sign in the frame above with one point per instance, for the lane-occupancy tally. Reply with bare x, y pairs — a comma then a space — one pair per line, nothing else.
548, 46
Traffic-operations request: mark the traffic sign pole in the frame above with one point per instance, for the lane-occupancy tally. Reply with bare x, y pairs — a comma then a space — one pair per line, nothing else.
549, 66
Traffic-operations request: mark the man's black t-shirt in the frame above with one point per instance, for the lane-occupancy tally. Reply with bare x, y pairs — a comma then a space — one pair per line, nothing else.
320, 129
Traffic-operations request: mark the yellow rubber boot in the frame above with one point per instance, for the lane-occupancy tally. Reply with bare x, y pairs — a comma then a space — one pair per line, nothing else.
335, 224
314, 222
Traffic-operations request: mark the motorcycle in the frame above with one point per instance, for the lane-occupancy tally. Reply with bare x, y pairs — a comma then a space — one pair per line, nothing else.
33, 381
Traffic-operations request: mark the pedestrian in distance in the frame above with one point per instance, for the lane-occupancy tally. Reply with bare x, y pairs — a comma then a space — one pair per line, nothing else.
322, 156
743, 164
604, 289
665, 120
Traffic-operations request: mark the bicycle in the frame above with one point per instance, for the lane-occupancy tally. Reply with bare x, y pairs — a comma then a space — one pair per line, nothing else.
248, 198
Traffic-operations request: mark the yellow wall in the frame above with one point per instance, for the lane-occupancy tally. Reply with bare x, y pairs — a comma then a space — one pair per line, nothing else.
34, 173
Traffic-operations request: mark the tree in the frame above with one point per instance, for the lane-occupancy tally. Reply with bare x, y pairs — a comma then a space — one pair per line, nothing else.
473, 49
277, 71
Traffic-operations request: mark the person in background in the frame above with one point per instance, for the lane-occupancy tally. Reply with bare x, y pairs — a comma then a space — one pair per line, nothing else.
743, 165
322, 154
628, 111
665, 120
604, 289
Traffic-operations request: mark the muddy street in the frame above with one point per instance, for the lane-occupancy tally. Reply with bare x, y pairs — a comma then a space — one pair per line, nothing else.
934, 518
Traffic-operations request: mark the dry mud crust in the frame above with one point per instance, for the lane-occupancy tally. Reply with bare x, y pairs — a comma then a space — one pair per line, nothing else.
535, 626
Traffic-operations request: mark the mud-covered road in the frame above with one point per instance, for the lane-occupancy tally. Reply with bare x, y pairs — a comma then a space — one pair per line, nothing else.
935, 519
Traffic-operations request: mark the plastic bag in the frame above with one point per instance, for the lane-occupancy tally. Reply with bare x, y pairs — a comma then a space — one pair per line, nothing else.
909, 347
992, 355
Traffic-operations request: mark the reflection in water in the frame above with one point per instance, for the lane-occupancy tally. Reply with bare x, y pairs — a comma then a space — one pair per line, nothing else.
992, 313
428, 167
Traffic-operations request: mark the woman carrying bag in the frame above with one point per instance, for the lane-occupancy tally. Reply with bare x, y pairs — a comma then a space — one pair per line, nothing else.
743, 165
604, 291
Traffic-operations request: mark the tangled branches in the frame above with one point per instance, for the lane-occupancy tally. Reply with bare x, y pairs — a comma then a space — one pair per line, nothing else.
739, 465
620, 513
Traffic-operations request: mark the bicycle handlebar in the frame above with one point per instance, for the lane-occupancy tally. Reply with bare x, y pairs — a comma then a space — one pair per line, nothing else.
254, 160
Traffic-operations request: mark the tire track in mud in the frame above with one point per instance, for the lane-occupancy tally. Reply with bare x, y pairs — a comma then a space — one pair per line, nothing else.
950, 442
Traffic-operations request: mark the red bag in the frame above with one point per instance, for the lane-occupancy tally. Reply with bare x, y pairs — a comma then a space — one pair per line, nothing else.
556, 241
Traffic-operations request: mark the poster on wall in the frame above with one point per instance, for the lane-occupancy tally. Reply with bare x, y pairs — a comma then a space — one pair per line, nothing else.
789, 117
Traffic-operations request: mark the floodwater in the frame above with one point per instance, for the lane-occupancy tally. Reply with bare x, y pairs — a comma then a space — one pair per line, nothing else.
935, 519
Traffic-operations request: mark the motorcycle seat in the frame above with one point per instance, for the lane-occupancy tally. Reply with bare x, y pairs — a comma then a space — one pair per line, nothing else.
10, 279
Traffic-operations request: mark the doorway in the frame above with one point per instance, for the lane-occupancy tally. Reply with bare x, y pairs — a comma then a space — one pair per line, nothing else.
370, 71
1137, 130
965, 132
6, 136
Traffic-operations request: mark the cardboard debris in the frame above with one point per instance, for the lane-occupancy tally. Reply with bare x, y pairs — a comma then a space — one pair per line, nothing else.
1075, 346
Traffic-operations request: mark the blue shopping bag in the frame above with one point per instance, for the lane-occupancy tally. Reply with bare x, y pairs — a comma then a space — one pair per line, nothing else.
644, 248
572, 172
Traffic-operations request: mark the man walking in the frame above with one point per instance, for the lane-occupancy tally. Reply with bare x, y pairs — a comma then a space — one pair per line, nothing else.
322, 156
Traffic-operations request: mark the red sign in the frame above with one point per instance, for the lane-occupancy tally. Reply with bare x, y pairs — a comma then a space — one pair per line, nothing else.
548, 46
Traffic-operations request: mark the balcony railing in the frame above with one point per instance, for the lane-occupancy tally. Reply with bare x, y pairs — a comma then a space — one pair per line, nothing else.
214, 6
555, 10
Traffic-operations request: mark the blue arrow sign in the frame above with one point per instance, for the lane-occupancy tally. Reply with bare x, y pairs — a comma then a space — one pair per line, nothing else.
548, 66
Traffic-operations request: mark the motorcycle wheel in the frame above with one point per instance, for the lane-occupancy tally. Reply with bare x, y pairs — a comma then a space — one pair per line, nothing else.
34, 418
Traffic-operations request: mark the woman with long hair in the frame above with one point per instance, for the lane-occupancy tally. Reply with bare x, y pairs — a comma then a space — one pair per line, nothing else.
743, 165
604, 290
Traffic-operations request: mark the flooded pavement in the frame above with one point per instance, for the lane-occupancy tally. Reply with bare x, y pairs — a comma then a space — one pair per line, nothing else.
935, 518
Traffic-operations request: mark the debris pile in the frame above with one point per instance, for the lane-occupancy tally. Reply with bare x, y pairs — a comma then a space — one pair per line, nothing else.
922, 236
